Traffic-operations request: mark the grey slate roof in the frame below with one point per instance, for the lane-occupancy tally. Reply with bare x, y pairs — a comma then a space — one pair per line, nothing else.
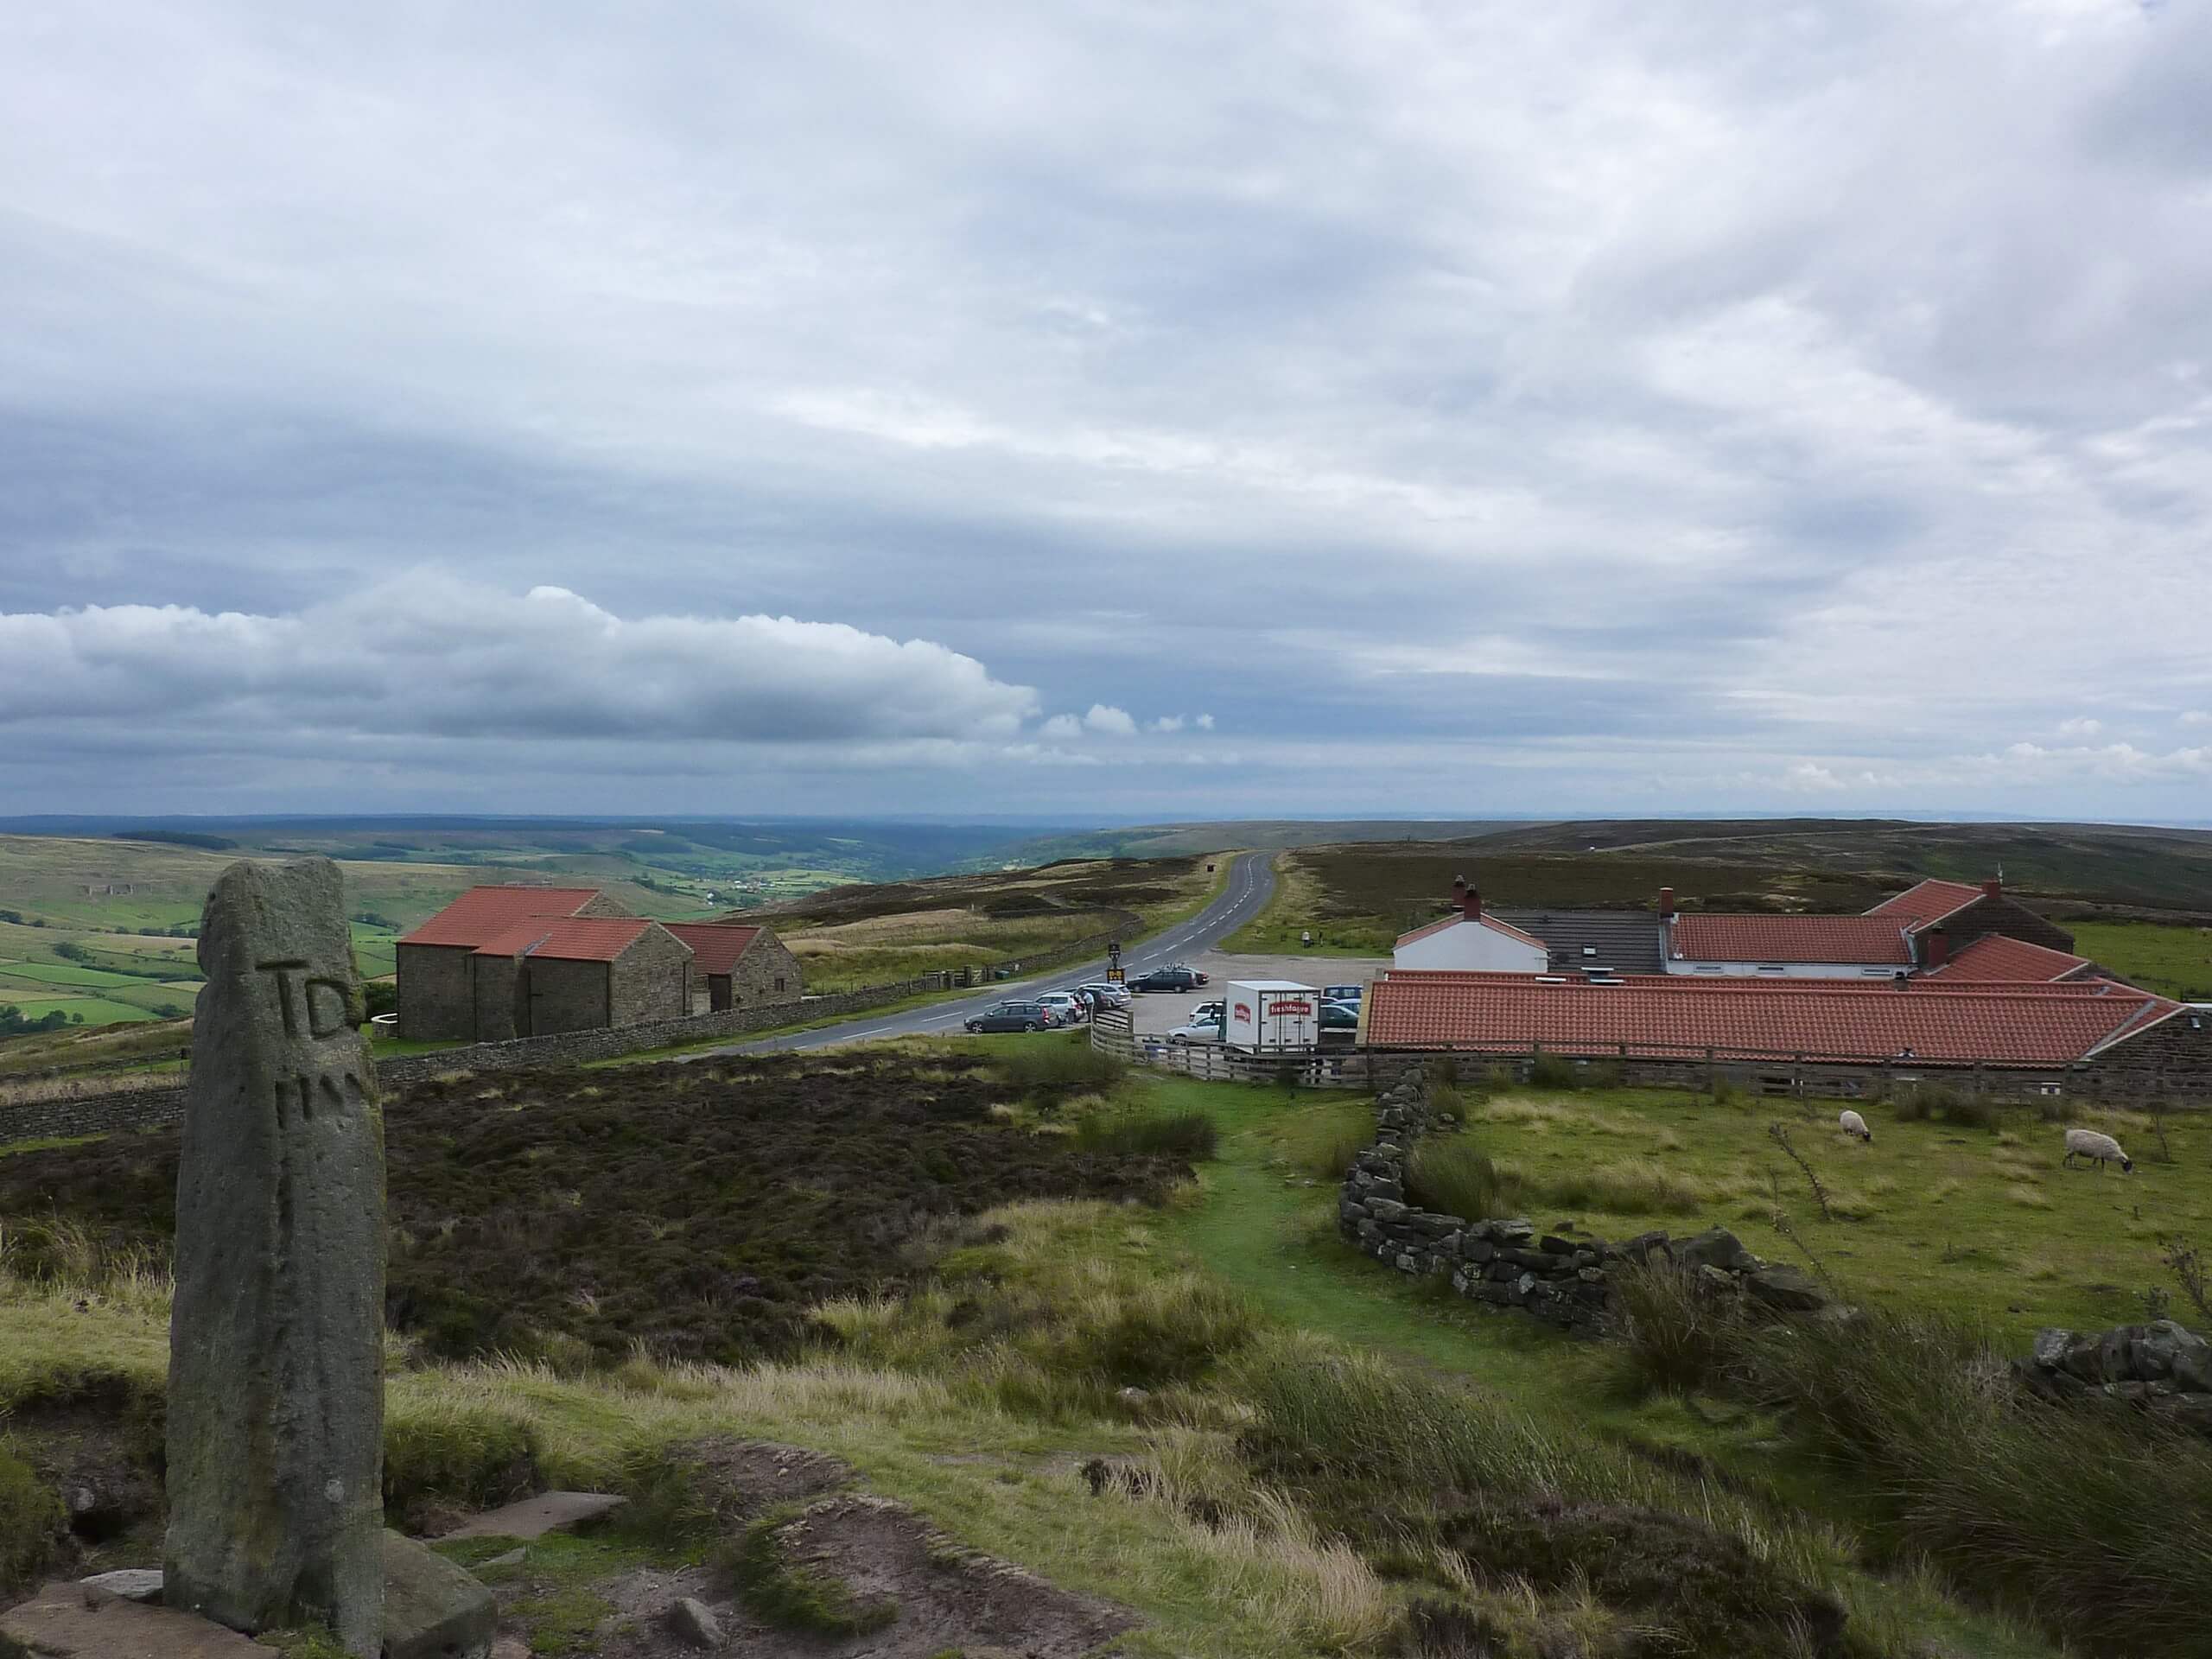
1625, 941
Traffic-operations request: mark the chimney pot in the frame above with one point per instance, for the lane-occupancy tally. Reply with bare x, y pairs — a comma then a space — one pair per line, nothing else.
1993, 888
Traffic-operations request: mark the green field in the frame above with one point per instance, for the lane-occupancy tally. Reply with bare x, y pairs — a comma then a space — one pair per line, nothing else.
2174, 960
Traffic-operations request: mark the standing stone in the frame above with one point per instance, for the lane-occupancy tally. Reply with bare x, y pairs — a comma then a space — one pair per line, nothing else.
275, 1402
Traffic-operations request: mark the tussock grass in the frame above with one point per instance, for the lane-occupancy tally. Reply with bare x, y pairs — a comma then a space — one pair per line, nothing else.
1674, 1337
1624, 1187
2091, 1519
1453, 1177
30, 1522
1565, 1512
1049, 1070
1164, 1134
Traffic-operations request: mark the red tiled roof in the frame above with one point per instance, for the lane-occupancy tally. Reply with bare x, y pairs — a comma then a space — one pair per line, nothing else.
2006, 1025
1994, 956
1455, 918
567, 938
715, 946
481, 911
1929, 901
1870, 940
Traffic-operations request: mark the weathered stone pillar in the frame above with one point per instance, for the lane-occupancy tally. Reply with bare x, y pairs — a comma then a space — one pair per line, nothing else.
276, 1403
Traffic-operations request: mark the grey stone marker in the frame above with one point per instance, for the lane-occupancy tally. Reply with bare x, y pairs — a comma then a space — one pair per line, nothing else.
276, 1403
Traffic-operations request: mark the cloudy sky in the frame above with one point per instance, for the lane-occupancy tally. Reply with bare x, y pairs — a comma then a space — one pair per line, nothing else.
1107, 410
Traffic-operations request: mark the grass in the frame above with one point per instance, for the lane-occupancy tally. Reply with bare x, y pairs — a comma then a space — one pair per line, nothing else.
31, 1520
2175, 961
1051, 1070
1254, 1341
793, 1594
1167, 1134
1450, 1175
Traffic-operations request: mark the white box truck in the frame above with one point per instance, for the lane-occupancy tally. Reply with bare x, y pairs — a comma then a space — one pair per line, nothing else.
1270, 1014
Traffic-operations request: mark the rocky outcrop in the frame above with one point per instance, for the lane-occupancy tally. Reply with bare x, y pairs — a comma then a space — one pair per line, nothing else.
2163, 1369
1508, 1263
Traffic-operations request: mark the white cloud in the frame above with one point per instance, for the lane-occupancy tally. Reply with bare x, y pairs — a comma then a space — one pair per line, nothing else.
2080, 726
1062, 727
1167, 723
1112, 722
431, 656
2197, 717
1203, 722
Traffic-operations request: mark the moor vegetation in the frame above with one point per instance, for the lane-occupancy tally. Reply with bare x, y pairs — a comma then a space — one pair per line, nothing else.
700, 1213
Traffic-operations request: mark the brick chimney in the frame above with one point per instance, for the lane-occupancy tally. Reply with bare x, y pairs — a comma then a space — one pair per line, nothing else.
1993, 888
1935, 949
1470, 905
1459, 892
1666, 904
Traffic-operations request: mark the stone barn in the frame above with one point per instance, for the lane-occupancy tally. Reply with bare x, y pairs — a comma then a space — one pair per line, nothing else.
737, 966
503, 962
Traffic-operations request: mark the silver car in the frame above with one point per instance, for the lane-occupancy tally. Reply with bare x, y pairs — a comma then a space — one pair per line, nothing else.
1067, 1007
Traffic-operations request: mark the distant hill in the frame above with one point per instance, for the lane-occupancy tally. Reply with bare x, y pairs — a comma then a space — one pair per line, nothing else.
1180, 839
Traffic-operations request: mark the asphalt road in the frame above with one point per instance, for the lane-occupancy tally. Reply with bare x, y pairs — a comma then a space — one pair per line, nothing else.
1251, 882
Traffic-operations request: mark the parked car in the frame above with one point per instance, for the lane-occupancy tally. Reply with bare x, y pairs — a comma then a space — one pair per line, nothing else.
1103, 995
1196, 1031
1013, 1016
1071, 1009
1187, 968
1352, 994
1218, 1012
1178, 978
1339, 1016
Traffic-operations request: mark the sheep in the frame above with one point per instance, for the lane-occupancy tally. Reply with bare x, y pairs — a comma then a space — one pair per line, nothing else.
1855, 1125
2088, 1143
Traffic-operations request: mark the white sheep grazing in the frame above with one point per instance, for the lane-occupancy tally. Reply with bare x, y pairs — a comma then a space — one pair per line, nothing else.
2088, 1143
1854, 1124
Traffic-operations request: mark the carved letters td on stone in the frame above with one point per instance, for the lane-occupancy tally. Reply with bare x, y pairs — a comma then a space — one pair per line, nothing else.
276, 1409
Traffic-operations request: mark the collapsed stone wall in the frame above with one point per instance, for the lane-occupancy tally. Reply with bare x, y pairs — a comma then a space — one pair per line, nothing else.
1507, 1263
2163, 1369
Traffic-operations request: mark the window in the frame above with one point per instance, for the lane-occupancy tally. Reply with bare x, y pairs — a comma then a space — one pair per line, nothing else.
1771, 967
779, 982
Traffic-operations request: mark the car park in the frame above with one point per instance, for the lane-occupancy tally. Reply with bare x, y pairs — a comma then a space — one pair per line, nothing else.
1013, 1016
1196, 1031
1177, 978
1070, 1009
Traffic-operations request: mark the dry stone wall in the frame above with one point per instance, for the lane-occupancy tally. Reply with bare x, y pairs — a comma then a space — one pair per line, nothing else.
1508, 1263
2163, 1369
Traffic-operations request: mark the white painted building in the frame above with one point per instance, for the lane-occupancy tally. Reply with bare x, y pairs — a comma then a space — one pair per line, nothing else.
1468, 941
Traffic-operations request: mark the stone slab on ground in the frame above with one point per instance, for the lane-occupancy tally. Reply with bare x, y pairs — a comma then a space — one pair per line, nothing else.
533, 1517
433, 1609
56, 1621
130, 1583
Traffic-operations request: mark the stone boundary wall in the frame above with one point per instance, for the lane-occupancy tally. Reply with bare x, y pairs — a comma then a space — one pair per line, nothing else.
1565, 1282
151, 1108
2163, 1369
47, 1120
